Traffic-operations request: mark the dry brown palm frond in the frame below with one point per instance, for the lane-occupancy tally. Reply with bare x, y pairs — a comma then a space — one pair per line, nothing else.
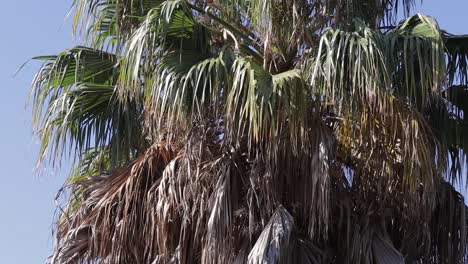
393, 154
381, 127
111, 213
195, 203
449, 226
273, 244
280, 242
299, 178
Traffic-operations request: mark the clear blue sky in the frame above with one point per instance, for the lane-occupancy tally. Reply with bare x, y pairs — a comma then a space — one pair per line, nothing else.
36, 27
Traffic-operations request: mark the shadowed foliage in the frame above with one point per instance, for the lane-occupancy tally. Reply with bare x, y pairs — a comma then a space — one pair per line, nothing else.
249, 131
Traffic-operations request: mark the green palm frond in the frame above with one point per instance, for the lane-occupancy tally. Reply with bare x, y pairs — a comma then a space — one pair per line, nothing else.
75, 107
259, 103
79, 64
104, 29
165, 27
417, 44
349, 68
448, 116
87, 116
94, 161
190, 90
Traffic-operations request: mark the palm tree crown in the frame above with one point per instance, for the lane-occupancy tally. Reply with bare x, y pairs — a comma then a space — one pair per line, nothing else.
251, 131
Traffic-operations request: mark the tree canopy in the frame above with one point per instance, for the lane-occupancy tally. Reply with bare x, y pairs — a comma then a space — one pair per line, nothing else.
251, 131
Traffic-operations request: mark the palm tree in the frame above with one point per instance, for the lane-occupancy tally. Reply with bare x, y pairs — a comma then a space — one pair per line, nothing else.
250, 131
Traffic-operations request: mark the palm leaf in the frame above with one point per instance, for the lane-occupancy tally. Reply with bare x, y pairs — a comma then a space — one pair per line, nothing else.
273, 244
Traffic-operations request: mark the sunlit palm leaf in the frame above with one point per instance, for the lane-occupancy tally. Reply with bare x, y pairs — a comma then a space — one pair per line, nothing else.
75, 107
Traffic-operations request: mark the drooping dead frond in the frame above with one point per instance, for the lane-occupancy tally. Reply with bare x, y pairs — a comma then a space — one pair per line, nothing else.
384, 131
274, 243
279, 243
111, 213
448, 236
384, 251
